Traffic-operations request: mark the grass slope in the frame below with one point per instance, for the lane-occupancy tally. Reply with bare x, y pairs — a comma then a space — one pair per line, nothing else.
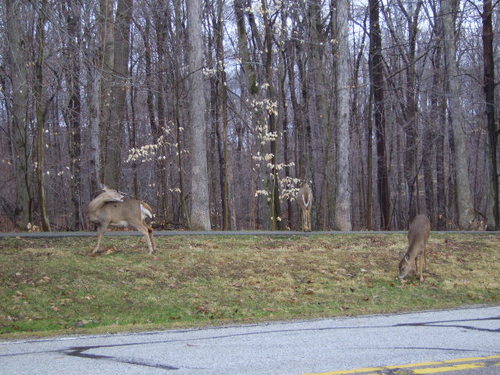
53, 286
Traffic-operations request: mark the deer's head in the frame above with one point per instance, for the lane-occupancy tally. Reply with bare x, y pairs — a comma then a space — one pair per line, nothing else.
405, 266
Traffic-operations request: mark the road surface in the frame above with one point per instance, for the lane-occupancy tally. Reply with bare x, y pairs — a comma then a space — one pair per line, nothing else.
379, 344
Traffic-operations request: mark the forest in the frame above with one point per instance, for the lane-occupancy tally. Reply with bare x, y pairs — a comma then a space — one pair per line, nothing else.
216, 111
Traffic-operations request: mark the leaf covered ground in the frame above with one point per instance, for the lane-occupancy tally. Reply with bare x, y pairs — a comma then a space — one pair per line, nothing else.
53, 286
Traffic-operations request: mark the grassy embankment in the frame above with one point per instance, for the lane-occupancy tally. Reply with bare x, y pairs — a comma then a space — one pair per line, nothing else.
53, 286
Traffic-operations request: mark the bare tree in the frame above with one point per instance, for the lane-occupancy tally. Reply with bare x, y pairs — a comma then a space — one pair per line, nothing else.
200, 207
41, 114
102, 104
489, 93
343, 196
221, 115
18, 62
73, 110
319, 127
271, 118
449, 9
121, 44
377, 85
407, 48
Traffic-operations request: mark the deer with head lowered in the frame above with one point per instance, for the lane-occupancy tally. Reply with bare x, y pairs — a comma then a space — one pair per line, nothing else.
111, 208
305, 198
415, 257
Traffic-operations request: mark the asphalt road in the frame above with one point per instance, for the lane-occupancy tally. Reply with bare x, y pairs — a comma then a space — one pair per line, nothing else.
297, 347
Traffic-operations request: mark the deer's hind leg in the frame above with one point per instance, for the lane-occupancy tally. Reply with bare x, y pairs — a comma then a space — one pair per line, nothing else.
425, 256
148, 234
101, 229
420, 266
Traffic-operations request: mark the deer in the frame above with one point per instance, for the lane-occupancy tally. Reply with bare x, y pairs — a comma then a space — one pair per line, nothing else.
415, 257
112, 208
304, 198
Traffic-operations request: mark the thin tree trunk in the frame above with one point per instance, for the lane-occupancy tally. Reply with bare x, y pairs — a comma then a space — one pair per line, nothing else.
449, 10
489, 93
132, 141
246, 64
94, 79
223, 118
103, 101
343, 195
369, 163
411, 110
200, 205
18, 63
260, 210
439, 123
91, 65
73, 111
163, 188
284, 121
112, 167
156, 125
319, 114
377, 81
272, 122
40, 116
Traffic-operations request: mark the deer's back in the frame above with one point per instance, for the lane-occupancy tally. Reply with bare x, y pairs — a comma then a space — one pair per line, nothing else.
420, 229
120, 211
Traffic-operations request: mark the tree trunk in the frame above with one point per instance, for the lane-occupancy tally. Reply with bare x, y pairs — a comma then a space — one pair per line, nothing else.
276, 222
411, 110
112, 167
103, 101
18, 62
73, 110
369, 164
377, 81
343, 196
200, 205
40, 116
246, 64
489, 93
320, 127
91, 64
223, 118
163, 187
449, 10
438, 106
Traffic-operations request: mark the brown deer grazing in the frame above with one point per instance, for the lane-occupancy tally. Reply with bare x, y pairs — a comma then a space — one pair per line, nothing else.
305, 198
112, 208
415, 257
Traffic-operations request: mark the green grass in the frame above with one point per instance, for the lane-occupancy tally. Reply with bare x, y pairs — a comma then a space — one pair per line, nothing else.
53, 286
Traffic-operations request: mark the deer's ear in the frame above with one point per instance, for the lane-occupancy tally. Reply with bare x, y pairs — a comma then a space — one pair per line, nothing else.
401, 255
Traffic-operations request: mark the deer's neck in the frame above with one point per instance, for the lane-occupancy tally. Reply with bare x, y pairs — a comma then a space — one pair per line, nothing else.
97, 203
